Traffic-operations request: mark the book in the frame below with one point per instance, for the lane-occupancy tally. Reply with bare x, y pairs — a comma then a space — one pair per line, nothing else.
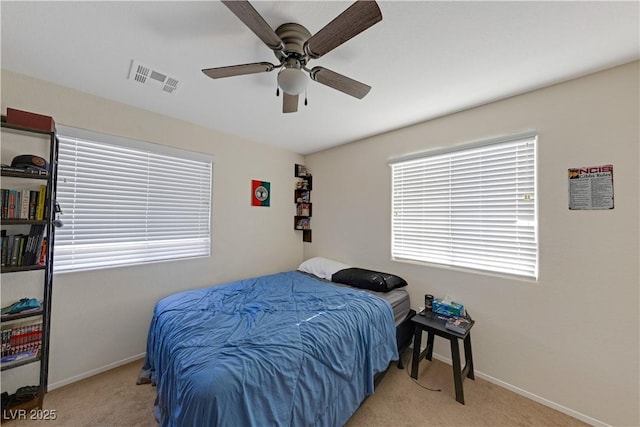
459, 325
36, 235
15, 250
33, 203
24, 204
6, 248
22, 243
5, 202
28, 249
40, 245
41, 201
18, 203
42, 254
13, 195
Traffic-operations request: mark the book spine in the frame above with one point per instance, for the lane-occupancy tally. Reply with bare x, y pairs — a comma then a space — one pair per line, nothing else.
42, 256
13, 195
15, 249
5, 203
37, 244
7, 254
41, 201
5, 342
18, 203
33, 203
28, 249
22, 245
22, 338
24, 204
13, 341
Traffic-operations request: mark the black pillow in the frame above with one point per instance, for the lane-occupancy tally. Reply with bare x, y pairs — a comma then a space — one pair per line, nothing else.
368, 279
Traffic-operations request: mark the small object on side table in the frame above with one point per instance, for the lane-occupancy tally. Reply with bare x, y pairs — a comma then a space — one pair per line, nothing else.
428, 302
459, 325
447, 308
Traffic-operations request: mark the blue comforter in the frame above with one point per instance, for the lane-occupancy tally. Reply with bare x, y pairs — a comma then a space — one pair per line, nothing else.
278, 350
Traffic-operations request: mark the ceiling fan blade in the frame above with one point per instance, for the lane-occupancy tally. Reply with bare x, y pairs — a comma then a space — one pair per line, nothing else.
289, 103
339, 82
238, 70
256, 23
357, 18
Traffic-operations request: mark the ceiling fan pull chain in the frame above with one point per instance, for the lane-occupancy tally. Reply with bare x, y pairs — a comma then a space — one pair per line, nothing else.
278, 91
305, 98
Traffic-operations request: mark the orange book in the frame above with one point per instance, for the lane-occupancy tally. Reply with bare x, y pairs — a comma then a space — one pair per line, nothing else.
43, 252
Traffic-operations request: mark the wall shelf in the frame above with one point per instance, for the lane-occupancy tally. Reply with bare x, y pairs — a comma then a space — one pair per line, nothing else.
302, 199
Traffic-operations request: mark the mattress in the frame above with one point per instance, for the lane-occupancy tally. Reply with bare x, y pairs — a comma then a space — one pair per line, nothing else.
399, 301
397, 298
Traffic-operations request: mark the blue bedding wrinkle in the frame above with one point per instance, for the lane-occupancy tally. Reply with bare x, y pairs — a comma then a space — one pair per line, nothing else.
277, 350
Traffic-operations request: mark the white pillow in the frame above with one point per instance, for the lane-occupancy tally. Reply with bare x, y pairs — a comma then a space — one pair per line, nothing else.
322, 267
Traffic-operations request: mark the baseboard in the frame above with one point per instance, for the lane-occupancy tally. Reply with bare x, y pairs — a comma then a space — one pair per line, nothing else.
93, 372
577, 415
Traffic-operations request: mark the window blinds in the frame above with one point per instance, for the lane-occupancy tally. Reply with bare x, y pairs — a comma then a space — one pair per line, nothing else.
472, 208
128, 202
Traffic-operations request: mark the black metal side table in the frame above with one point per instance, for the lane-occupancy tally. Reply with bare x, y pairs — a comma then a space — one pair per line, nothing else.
435, 325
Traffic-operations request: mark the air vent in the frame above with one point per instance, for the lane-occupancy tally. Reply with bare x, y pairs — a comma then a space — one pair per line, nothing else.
141, 73
147, 76
171, 85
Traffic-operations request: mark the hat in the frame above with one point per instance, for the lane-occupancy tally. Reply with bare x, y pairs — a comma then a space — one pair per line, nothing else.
30, 162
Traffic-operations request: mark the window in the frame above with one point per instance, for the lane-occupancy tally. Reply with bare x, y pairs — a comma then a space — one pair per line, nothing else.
128, 202
472, 208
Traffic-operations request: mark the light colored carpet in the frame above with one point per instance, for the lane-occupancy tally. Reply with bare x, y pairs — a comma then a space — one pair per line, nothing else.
113, 399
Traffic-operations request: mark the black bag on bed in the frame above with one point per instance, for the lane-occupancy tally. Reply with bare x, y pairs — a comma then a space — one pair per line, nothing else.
368, 279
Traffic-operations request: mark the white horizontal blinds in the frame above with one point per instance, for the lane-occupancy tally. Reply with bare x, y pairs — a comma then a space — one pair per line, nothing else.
472, 208
124, 205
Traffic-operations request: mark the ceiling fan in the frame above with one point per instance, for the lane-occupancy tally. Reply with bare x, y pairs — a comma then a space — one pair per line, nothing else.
294, 47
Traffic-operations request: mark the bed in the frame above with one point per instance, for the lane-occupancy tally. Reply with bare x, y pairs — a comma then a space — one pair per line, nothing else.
289, 348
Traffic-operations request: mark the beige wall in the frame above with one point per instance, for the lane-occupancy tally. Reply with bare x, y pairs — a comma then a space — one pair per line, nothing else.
571, 340
100, 318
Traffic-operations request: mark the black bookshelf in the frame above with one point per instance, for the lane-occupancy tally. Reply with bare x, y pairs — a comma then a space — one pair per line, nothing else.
43, 314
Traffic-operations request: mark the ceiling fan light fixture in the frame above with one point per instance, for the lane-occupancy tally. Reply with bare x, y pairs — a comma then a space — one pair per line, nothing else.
292, 80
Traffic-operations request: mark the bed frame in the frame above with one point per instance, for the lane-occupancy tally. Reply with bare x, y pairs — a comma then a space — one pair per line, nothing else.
404, 335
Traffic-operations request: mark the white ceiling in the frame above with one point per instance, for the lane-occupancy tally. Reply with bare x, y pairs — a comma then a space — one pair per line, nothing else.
424, 60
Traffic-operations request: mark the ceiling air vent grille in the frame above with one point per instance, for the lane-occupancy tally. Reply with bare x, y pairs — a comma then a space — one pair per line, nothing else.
141, 73
171, 85
149, 77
